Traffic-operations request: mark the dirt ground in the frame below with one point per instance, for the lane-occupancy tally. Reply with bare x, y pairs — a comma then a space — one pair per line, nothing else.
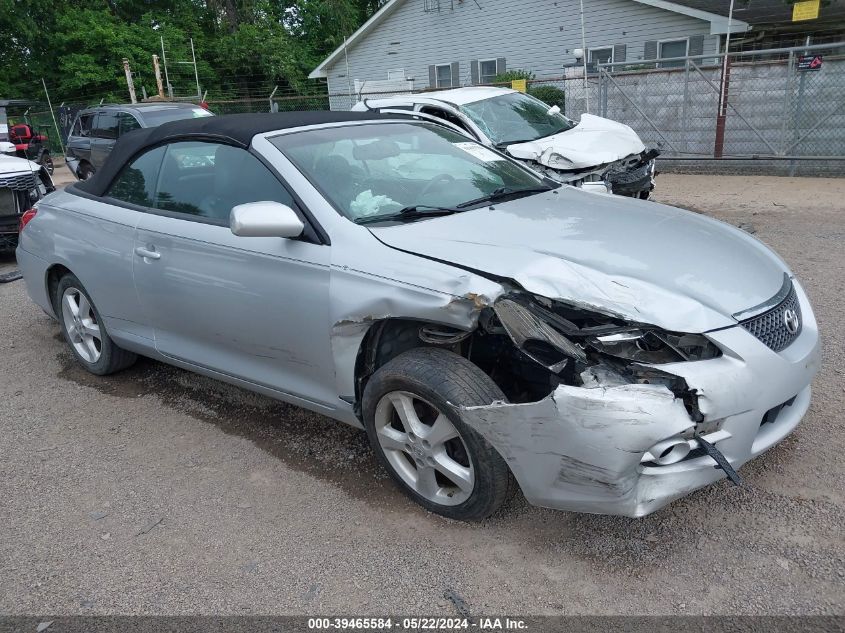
160, 492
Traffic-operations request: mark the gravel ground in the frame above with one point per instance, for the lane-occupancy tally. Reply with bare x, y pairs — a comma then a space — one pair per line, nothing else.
160, 492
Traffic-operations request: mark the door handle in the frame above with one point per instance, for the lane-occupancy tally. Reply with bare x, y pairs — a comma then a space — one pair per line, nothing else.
147, 253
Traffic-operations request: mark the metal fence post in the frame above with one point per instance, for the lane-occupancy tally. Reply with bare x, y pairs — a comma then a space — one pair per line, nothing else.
685, 107
787, 101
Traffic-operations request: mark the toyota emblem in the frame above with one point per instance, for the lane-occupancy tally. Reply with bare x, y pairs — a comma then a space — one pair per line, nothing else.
790, 318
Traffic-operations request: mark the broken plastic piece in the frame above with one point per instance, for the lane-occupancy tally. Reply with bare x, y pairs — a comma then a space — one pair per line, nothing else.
720, 460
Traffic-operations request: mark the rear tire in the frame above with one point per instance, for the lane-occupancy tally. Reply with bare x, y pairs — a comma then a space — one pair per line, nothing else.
84, 330
432, 455
47, 162
86, 171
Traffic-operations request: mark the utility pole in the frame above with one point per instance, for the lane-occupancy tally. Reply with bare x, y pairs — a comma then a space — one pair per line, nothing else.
164, 62
129, 83
724, 84
584, 48
196, 72
158, 77
53, 114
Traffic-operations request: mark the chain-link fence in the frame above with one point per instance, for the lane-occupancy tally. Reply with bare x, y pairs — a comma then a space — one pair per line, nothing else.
778, 111
781, 110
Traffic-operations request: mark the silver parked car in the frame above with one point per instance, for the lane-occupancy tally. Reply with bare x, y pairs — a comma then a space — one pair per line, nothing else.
486, 326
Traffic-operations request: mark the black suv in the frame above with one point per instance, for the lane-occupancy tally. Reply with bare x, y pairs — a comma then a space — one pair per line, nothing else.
96, 129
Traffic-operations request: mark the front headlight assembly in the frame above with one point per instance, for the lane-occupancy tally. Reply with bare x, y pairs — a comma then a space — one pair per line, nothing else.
554, 334
655, 346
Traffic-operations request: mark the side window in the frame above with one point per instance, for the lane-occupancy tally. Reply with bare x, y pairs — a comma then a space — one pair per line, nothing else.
446, 116
82, 127
106, 125
136, 182
127, 122
487, 68
208, 179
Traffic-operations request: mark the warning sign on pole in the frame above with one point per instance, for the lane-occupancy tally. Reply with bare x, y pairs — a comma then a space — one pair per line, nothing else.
809, 62
805, 10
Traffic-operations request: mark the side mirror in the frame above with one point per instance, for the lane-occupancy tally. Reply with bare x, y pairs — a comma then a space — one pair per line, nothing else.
555, 109
265, 219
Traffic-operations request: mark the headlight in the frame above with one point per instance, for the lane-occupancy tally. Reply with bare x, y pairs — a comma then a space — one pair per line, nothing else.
539, 340
557, 161
656, 346
551, 333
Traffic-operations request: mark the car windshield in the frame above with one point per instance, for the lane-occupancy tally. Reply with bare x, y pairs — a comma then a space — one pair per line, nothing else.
156, 117
374, 170
515, 117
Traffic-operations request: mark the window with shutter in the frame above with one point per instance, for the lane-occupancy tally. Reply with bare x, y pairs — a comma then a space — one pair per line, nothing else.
488, 70
456, 75
673, 48
696, 45
619, 51
443, 76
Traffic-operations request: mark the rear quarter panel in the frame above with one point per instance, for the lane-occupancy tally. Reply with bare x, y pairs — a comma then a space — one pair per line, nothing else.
94, 240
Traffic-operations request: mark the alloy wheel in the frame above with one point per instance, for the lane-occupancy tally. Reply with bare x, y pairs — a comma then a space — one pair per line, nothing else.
424, 448
81, 325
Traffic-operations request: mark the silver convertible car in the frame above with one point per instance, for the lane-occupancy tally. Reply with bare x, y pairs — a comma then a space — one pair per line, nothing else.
487, 327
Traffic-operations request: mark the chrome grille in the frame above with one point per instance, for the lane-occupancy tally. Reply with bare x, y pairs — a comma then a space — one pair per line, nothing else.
18, 182
771, 326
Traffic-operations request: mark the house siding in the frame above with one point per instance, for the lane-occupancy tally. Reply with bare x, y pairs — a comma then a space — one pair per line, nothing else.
535, 35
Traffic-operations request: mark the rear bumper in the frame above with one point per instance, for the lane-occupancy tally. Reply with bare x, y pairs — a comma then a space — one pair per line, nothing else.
584, 449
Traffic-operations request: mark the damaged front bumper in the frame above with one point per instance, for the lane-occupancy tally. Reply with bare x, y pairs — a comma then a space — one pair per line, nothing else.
587, 448
633, 176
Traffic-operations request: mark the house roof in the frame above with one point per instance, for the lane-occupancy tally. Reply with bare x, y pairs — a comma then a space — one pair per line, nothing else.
765, 12
718, 25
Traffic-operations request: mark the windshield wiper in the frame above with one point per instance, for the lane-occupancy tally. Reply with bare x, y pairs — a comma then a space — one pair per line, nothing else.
412, 212
504, 192
504, 144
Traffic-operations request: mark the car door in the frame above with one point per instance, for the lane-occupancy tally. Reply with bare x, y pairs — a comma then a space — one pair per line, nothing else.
104, 136
97, 235
253, 308
79, 139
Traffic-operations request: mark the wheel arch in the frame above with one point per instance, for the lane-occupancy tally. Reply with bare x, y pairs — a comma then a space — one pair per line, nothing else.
389, 337
51, 281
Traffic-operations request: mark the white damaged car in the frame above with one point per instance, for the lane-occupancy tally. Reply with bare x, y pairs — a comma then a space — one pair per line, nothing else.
595, 153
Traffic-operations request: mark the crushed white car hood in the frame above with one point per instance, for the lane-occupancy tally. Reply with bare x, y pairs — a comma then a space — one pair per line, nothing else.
14, 165
641, 260
594, 141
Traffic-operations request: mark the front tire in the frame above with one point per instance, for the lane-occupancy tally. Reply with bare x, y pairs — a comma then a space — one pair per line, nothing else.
420, 439
85, 332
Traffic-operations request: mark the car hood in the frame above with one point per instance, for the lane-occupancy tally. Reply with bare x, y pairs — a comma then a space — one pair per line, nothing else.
594, 141
643, 261
14, 164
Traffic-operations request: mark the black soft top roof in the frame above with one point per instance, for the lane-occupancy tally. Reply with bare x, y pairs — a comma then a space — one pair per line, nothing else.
232, 129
